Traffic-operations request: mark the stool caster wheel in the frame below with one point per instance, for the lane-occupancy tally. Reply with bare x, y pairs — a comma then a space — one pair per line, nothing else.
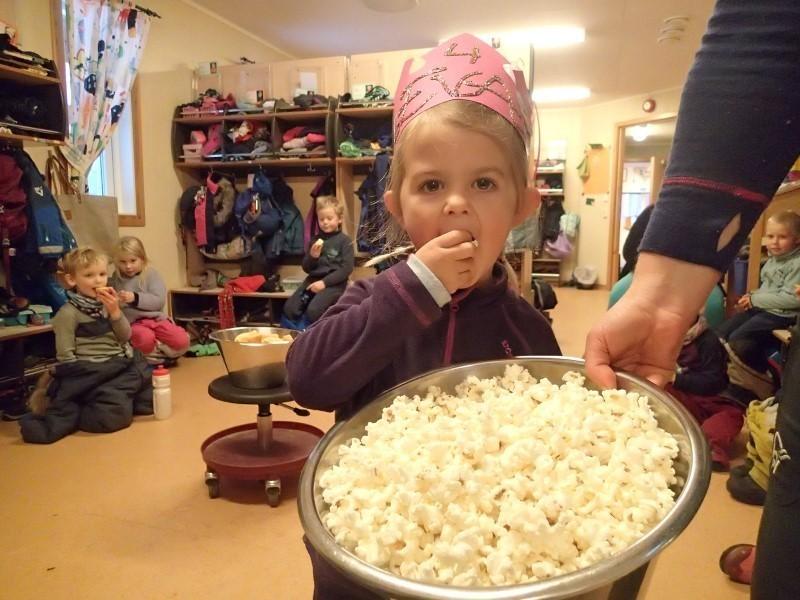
273, 489
212, 482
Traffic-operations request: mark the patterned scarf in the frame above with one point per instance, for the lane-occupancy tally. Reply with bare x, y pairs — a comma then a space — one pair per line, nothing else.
88, 306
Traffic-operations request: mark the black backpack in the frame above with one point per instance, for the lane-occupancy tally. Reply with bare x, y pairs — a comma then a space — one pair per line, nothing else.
544, 297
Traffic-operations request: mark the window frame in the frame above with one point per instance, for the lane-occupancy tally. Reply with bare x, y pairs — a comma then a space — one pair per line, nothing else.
57, 24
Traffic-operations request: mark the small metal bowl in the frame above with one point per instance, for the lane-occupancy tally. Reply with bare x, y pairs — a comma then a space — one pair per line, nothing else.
614, 577
253, 365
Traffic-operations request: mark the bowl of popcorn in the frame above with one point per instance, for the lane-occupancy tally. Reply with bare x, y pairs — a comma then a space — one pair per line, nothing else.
505, 480
255, 356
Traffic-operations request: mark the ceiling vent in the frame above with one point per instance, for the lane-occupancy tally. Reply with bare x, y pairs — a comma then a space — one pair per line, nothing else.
673, 29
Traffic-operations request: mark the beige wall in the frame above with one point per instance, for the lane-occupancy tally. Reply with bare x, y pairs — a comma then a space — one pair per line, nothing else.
597, 125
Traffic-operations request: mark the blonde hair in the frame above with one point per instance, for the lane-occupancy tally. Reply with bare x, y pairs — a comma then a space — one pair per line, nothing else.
330, 202
76, 260
133, 246
789, 219
467, 115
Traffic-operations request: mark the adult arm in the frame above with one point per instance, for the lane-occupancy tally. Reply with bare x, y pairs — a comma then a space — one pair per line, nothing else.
738, 133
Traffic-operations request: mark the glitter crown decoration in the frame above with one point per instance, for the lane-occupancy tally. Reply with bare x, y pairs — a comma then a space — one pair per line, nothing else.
464, 68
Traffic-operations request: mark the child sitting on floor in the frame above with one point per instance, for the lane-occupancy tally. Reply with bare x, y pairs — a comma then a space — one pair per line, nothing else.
774, 304
701, 376
144, 294
328, 263
98, 383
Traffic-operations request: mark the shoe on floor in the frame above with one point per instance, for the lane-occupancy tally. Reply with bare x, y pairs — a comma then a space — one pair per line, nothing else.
742, 469
746, 490
737, 562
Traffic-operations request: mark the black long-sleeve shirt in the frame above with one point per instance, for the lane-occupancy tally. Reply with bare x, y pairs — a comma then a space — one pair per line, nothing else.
335, 262
737, 135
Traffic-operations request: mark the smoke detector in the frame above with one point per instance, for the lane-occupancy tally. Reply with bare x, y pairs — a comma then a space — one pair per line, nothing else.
390, 6
673, 29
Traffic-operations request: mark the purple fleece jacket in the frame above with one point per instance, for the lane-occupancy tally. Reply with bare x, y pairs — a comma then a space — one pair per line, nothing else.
388, 329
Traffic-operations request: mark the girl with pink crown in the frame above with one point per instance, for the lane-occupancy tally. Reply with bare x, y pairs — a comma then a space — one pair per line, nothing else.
458, 185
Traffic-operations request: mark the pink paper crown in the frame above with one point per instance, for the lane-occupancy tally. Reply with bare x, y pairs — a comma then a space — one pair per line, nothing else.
464, 68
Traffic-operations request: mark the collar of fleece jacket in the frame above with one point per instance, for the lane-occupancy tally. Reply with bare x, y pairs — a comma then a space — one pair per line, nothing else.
489, 293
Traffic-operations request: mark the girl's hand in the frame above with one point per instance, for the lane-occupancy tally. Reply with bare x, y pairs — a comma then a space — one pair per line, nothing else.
451, 257
110, 300
126, 296
745, 302
316, 287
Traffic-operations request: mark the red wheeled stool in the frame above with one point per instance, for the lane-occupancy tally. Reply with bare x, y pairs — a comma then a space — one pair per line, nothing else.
262, 451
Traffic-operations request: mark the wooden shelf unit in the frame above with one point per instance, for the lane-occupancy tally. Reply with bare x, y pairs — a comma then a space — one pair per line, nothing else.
47, 90
348, 172
192, 304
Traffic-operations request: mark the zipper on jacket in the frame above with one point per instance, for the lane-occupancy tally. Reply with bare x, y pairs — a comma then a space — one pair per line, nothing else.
451, 334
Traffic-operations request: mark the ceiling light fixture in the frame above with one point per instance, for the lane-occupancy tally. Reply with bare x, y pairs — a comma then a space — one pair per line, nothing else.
390, 6
551, 95
640, 133
541, 37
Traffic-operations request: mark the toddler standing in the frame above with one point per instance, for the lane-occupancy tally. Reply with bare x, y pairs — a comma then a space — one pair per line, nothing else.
458, 185
144, 294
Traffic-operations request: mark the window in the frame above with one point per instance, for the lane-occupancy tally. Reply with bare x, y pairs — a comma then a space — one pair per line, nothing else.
116, 172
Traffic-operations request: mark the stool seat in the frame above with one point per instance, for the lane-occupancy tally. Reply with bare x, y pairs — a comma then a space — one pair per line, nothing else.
222, 389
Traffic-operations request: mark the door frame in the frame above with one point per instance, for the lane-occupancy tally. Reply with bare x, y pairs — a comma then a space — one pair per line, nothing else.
612, 274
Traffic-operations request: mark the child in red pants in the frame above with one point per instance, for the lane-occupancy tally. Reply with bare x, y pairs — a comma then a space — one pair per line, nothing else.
144, 294
701, 376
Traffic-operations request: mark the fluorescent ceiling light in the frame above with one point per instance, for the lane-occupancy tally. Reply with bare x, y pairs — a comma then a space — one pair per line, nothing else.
640, 133
540, 37
549, 95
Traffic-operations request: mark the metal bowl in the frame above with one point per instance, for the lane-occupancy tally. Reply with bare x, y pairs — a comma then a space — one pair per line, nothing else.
692, 467
253, 365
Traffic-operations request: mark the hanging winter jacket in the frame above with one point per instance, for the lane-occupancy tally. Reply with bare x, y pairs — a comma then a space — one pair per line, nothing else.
48, 234
553, 209
255, 210
373, 210
288, 239
224, 222
326, 186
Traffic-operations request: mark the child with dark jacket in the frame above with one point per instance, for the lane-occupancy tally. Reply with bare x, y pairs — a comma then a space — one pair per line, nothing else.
98, 383
458, 185
328, 263
700, 378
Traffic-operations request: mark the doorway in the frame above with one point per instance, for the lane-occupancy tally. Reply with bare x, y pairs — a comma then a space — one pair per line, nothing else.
642, 155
